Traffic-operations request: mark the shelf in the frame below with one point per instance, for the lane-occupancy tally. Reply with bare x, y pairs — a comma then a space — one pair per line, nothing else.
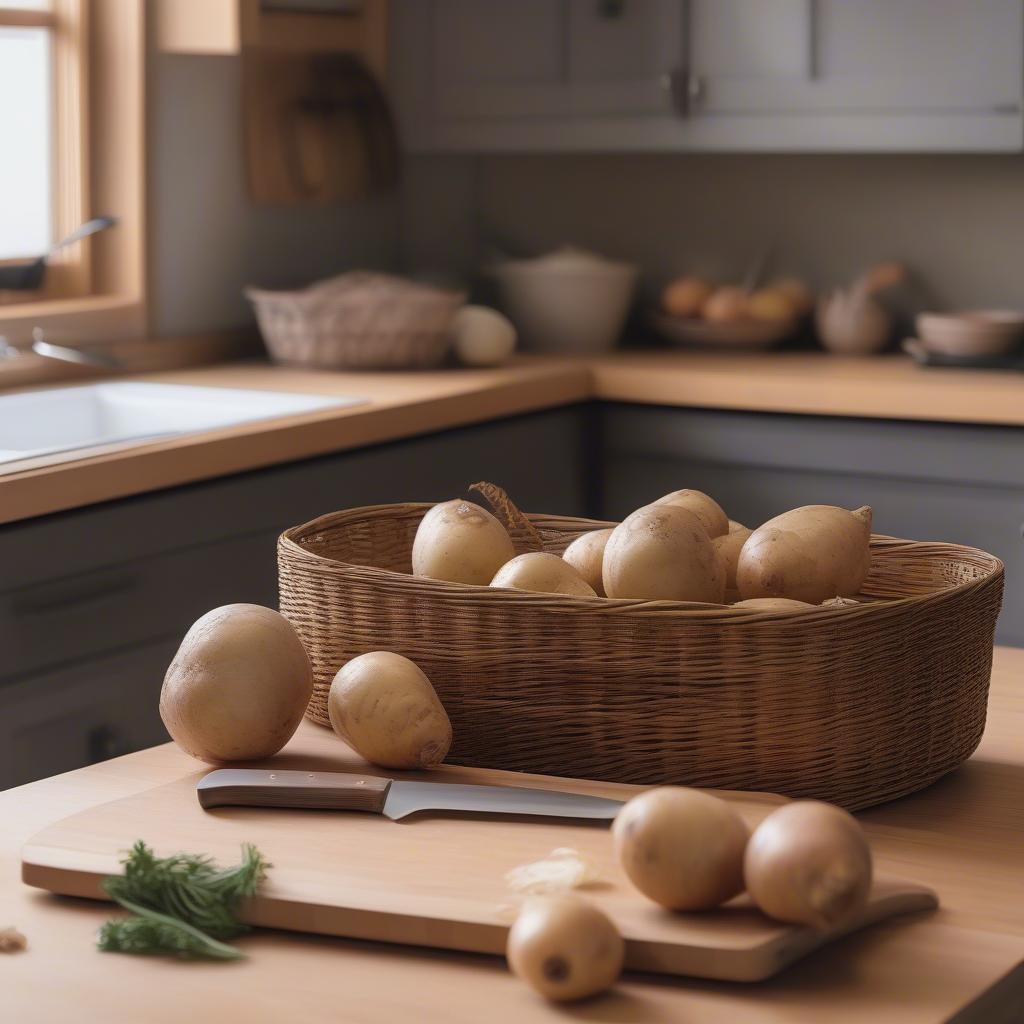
226, 27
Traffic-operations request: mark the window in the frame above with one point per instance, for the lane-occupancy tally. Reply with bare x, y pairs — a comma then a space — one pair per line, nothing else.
43, 106
71, 148
25, 126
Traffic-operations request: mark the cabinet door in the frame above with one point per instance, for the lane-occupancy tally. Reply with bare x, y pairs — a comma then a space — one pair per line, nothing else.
79, 715
553, 58
747, 55
886, 57
130, 603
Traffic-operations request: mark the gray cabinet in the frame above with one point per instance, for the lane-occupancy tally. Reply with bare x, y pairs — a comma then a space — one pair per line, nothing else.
492, 59
925, 481
890, 57
81, 713
710, 75
94, 602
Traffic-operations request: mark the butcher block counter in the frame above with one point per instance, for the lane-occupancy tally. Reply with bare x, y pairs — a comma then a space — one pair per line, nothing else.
403, 405
964, 836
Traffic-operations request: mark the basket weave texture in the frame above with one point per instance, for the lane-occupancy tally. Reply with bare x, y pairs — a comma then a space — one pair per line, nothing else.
856, 705
357, 320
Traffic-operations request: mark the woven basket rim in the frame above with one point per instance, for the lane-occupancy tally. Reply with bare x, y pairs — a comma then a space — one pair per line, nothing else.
687, 610
415, 291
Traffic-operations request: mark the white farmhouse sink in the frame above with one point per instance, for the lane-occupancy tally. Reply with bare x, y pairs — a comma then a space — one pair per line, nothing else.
66, 420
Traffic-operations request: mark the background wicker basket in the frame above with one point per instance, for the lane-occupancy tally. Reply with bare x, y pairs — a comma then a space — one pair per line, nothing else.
856, 705
357, 320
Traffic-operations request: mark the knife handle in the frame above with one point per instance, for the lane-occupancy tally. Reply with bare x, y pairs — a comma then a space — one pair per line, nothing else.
257, 787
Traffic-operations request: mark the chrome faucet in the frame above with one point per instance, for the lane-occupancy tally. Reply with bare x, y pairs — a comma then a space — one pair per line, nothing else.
62, 353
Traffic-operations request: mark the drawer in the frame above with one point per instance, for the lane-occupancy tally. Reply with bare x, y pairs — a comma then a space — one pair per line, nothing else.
62, 720
124, 605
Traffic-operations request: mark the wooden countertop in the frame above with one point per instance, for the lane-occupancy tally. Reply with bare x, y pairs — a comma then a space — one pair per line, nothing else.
882, 387
405, 404
964, 836
398, 405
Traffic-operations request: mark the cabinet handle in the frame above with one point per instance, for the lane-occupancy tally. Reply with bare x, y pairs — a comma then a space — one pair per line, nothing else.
104, 742
813, 34
684, 89
62, 594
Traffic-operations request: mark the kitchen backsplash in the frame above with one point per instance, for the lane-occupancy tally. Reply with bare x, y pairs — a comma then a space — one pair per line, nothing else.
957, 221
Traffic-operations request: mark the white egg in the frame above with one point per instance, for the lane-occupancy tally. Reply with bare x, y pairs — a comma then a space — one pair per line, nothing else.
482, 336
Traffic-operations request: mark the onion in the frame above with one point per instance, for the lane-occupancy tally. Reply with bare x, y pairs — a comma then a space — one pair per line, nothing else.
808, 863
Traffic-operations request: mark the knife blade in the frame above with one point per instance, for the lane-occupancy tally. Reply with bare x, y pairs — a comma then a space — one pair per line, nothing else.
394, 798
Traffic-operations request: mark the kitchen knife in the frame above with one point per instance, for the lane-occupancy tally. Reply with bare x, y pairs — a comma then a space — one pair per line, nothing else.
394, 798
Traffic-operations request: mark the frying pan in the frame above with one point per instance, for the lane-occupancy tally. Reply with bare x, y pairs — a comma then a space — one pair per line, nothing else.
29, 276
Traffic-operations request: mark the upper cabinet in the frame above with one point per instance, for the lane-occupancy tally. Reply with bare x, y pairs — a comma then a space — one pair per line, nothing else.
539, 58
707, 75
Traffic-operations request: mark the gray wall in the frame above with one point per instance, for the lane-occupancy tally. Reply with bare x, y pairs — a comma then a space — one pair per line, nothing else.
958, 221
207, 241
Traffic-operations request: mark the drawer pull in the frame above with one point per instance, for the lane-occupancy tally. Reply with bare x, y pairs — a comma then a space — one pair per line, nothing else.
63, 594
104, 742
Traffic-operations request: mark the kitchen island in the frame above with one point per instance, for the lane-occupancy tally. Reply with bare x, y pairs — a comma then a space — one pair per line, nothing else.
963, 836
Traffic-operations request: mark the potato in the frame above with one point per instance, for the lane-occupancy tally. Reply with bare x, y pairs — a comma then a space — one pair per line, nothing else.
565, 947
586, 554
809, 863
808, 554
734, 526
238, 686
728, 547
773, 604
725, 305
385, 708
544, 573
772, 305
703, 506
460, 542
685, 296
662, 552
681, 848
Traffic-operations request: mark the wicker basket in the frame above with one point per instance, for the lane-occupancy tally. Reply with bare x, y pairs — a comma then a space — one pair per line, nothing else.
855, 705
357, 321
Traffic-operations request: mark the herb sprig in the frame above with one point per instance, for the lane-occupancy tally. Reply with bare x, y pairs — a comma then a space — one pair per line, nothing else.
184, 905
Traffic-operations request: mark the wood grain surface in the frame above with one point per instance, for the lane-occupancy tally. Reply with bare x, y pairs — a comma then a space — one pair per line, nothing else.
963, 836
876, 387
406, 404
432, 880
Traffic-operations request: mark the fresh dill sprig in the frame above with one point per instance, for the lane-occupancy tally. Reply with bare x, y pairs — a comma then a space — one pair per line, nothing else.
184, 903
150, 933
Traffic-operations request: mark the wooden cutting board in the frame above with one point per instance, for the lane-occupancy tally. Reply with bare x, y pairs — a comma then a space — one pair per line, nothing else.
431, 880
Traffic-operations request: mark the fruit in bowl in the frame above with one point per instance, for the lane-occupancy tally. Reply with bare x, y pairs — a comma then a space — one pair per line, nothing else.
698, 311
686, 296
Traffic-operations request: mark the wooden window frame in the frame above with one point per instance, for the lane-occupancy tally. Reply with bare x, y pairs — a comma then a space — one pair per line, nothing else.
95, 289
